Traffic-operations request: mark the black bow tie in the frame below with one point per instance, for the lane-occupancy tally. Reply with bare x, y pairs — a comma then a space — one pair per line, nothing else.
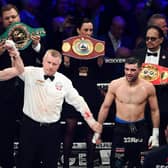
151, 54
50, 77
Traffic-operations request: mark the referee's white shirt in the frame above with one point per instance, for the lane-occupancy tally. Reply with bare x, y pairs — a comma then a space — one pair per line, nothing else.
43, 99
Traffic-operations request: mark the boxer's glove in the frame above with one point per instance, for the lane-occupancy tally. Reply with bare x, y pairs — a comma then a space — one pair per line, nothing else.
154, 139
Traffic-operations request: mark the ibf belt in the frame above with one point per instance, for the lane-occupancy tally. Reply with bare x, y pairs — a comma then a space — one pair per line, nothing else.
21, 34
83, 47
155, 74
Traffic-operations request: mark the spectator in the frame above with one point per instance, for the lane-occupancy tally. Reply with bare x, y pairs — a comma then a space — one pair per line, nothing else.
10, 90
154, 41
117, 45
61, 12
30, 13
116, 37
158, 20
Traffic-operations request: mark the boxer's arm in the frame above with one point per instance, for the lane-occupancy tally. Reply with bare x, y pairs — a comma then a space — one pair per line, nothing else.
17, 62
2, 47
103, 112
155, 115
104, 109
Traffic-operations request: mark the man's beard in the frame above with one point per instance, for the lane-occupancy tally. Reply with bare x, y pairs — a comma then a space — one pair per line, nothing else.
132, 79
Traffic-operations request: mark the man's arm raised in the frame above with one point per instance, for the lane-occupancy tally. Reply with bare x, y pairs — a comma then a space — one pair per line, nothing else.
17, 62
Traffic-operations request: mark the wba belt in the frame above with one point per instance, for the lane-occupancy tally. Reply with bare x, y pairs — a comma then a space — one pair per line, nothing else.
21, 34
83, 47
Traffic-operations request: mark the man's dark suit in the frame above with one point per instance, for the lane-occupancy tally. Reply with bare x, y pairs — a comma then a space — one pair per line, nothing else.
157, 157
141, 54
11, 101
113, 71
162, 91
109, 49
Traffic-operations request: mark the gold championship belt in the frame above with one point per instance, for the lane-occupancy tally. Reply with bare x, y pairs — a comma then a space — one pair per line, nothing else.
83, 47
21, 34
155, 74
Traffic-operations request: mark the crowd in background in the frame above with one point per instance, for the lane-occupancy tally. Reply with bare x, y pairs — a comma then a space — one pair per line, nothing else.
120, 23
59, 17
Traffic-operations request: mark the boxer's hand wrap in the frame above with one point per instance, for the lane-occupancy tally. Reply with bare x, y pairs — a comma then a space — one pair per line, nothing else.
10, 46
96, 137
154, 139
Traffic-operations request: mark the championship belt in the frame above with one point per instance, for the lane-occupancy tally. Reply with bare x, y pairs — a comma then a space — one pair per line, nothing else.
21, 34
155, 74
83, 47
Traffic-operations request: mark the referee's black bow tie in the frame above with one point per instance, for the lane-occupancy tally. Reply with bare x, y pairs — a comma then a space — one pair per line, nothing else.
50, 77
151, 54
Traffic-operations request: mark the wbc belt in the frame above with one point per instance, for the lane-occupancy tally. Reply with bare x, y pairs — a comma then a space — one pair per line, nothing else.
155, 74
21, 34
83, 47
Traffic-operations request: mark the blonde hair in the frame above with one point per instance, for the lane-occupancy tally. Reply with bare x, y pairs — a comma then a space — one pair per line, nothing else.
53, 53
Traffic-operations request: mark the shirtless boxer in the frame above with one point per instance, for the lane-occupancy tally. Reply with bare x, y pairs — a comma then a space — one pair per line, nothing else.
131, 132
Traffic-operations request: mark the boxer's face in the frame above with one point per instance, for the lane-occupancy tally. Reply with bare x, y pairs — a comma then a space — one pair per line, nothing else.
131, 72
